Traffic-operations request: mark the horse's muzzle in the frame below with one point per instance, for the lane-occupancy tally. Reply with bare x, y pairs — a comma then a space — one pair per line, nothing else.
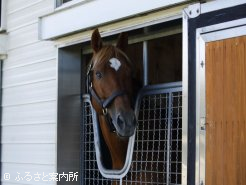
125, 123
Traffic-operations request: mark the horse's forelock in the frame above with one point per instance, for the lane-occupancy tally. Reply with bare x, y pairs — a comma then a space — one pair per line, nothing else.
103, 55
108, 52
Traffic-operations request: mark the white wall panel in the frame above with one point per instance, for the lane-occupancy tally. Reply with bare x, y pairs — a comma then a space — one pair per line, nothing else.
29, 54
23, 36
30, 73
14, 5
36, 133
29, 153
38, 113
31, 93
20, 18
29, 99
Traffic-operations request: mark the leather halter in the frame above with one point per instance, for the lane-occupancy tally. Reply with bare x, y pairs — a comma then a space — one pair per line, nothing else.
104, 103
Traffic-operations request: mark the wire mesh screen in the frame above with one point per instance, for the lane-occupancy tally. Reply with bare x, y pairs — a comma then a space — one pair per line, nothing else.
157, 149
91, 174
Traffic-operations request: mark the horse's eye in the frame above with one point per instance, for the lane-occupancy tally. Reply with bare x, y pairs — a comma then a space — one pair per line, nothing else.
99, 75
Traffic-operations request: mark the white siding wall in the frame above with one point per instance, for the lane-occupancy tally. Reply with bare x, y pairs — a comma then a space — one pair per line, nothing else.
29, 95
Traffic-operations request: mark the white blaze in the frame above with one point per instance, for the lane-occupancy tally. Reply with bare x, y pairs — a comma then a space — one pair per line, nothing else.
115, 63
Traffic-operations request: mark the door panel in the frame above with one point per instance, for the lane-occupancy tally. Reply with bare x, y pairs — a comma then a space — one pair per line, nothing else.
226, 112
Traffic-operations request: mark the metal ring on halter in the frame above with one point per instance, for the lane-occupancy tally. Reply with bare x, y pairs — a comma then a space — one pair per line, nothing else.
105, 111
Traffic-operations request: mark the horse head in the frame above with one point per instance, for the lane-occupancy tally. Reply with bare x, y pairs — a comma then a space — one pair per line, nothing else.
111, 74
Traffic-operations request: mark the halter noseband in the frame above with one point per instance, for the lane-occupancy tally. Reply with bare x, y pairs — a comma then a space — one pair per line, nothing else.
104, 103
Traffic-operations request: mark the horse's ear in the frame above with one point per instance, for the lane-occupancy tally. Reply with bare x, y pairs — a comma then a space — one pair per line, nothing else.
96, 41
122, 42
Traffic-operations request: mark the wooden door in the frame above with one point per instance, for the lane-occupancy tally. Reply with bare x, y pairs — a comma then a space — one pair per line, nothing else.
226, 112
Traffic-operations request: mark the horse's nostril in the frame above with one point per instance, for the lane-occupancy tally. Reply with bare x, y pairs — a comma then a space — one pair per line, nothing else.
134, 121
120, 121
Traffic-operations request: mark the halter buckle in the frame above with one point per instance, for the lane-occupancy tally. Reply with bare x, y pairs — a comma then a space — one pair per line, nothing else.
105, 111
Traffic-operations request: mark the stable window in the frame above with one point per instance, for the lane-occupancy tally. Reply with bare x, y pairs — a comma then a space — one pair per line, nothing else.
2, 15
157, 53
67, 3
61, 2
0, 12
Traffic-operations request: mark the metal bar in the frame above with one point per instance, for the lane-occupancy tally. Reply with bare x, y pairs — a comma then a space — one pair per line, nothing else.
145, 59
1, 76
82, 144
168, 136
178, 137
185, 99
145, 63
155, 35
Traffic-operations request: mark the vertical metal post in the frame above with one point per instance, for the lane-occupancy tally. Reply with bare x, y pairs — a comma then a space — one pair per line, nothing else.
145, 63
168, 135
1, 65
185, 99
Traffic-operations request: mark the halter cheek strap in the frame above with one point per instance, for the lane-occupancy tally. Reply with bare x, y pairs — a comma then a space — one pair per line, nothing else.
105, 102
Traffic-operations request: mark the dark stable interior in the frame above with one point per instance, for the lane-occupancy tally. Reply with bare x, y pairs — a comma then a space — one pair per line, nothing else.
164, 57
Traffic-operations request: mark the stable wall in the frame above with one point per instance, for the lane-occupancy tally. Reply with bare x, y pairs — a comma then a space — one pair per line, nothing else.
29, 95
30, 98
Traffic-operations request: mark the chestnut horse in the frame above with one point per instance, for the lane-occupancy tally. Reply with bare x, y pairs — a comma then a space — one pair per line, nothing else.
112, 92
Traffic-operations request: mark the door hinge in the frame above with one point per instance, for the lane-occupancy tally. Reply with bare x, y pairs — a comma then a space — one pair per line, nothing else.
193, 10
201, 183
203, 124
202, 63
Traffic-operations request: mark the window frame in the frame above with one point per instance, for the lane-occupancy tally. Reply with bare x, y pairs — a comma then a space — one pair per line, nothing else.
2, 15
68, 91
60, 5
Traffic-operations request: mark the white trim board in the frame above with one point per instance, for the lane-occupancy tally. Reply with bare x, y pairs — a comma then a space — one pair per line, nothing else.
224, 34
3, 44
220, 4
93, 13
